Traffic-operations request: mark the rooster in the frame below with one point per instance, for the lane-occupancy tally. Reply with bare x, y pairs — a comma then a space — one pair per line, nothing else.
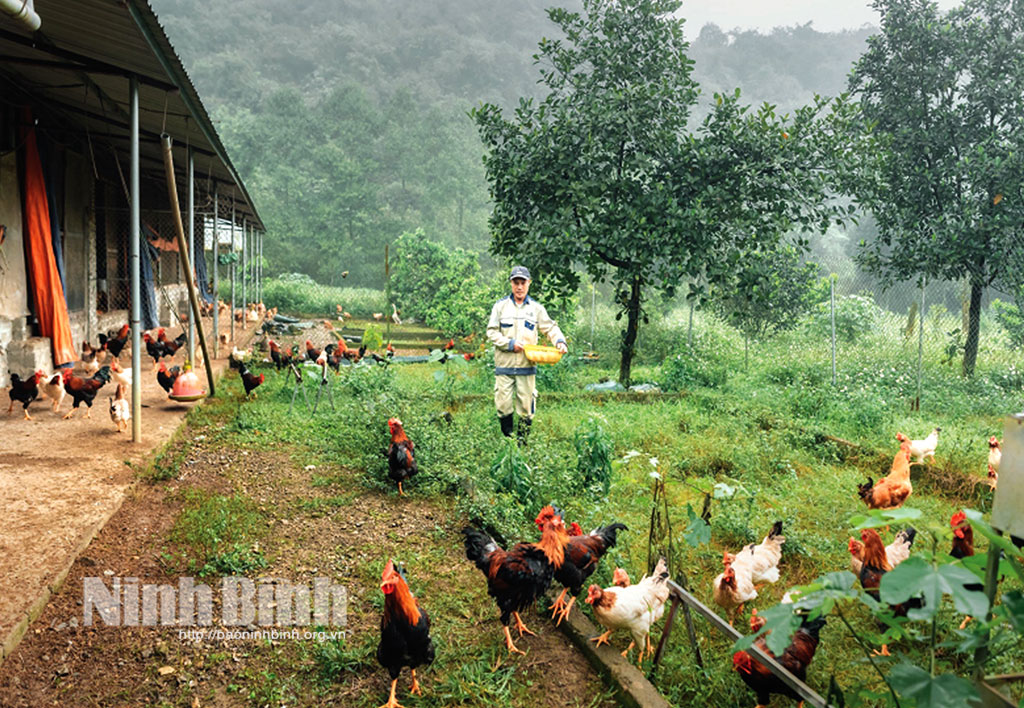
249, 381
120, 411
963, 547
796, 658
896, 552
312, 353
875, 566
153, 348
636, 608
53, 387
404, 632
517, 577
115, 343
582, 554
280, 359
84, 390
166, 377
24, 391
891, 491
171, 346
925, 448
401, 461
995, 456
389, 351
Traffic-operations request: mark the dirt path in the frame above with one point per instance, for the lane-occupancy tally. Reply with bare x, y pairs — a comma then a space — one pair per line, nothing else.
315, 522
60, 480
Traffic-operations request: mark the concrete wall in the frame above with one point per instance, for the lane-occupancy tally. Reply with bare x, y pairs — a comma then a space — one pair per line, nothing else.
13, 283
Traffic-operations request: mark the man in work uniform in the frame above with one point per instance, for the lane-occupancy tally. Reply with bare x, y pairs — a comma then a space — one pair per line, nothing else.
515, 322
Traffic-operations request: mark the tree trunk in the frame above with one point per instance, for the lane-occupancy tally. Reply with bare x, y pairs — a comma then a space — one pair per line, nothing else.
973, 326
629, 336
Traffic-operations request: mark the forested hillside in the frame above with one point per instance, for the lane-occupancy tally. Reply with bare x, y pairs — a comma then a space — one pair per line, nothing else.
352, 130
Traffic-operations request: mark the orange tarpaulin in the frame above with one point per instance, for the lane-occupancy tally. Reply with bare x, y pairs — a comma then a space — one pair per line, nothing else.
47, 292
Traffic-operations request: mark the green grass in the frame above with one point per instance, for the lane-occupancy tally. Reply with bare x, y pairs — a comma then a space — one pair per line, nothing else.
758, 429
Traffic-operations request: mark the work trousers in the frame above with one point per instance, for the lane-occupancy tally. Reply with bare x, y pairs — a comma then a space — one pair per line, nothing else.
518, 393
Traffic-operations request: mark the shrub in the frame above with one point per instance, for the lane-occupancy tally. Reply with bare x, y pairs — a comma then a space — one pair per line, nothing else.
856, 315
299, 294
688, 370
1009, 316
593, 456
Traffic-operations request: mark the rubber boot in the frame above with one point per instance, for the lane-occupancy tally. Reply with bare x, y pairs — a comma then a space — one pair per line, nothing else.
523, 431
506, 425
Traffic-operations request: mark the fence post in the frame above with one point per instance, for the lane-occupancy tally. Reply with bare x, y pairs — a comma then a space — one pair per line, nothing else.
920, 343
832, 308
243, 265
216, 267
136, 260
231, 269
191, 206
387, 289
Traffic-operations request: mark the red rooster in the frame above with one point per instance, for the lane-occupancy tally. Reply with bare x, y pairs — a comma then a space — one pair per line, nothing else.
115, 344
250, 381
171, 346
24, 391
401, 461
963, 547
404, 632
517, 577
582, 554
153, 348
312, 353
84, 390
796, 658
166, 378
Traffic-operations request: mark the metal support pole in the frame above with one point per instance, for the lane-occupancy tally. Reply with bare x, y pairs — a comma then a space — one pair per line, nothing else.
191, 202
216, 279
244, 265
231, 314
832, 307
133, 237
920, 343
259, 270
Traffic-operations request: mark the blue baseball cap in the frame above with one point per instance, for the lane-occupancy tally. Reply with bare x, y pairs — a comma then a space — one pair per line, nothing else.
520, 272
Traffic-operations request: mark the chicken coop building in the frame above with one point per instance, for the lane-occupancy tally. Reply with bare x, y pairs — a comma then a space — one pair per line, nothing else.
78, 80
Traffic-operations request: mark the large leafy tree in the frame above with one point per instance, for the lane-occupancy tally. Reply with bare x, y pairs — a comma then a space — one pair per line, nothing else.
945, 96
604, 174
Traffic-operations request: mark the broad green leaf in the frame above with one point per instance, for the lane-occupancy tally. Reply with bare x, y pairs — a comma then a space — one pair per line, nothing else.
780, 623
943, 691
698, 532
913, 577
883, 517
1013, 609
970, 602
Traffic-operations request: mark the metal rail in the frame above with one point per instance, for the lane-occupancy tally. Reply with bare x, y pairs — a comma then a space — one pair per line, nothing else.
678, 594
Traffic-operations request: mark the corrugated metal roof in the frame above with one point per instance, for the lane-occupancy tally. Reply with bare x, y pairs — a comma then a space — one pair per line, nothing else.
79, 62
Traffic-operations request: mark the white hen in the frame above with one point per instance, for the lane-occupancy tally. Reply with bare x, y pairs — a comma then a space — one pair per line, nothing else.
925, 448
120, 411
53, 387
636, 608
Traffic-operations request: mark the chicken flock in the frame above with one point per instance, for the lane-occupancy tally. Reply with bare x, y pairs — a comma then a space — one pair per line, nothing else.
562, 556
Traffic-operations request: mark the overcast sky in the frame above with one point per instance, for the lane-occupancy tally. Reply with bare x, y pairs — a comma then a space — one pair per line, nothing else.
825, 15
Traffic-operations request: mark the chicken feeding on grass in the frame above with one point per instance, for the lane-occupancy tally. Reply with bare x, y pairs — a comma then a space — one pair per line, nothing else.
582, 554
404, 632
24, 391
635, 608
876, 564
892, 490
401, 460
250, 381
120, 411
736, 585
796, 658
896, 552
84, 390
995, 456
517, 577
53, 387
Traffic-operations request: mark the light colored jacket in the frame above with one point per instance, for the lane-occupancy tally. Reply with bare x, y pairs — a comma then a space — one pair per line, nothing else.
511, 323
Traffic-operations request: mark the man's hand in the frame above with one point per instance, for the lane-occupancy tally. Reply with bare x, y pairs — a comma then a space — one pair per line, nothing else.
517, 347
562, 348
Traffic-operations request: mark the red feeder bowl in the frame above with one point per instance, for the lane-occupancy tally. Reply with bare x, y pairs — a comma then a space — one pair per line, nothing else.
186, 388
